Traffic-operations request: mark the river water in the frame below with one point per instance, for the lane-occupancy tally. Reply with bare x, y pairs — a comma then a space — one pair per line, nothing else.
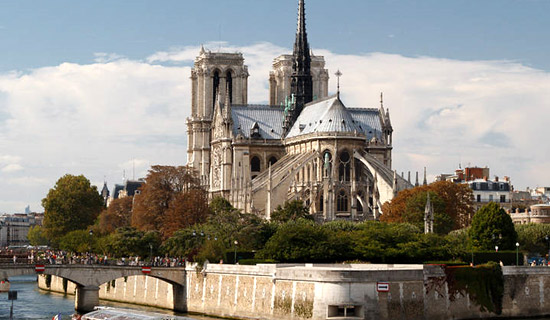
33, 303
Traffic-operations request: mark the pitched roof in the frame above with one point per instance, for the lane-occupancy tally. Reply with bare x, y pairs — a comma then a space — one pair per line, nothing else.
330, 115
269, 119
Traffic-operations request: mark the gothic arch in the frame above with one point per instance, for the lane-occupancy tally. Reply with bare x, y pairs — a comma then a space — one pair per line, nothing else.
344, 166
342, 201
255, 166
229, 76
327, 162
272, 160
216, 76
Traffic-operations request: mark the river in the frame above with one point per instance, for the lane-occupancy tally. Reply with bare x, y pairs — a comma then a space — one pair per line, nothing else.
33, 303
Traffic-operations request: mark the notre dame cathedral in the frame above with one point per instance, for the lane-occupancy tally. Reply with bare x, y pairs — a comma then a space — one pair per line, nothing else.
304, 145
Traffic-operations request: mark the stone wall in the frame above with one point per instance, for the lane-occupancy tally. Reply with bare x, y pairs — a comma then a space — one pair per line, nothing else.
140, 290
328, 292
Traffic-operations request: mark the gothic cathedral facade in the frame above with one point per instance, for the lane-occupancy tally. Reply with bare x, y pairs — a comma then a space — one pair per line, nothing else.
304, 145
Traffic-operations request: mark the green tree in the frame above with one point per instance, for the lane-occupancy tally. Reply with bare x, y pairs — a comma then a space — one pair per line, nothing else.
290, 210
304, 241
72, 204
77, 241
492, 226
36, 236
532, 237
131, 242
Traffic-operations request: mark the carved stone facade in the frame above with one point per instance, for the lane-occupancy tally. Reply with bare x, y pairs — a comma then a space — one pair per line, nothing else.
337, 160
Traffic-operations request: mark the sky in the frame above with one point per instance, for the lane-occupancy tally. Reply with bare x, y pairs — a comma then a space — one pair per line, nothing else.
101, 88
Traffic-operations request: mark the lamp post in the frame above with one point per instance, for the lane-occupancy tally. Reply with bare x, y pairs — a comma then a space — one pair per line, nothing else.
548, 242
517, 254
91, 241
236, 243
151, 252
496, 248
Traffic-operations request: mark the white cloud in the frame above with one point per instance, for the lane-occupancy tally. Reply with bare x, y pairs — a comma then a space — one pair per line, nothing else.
12, 167
94, 119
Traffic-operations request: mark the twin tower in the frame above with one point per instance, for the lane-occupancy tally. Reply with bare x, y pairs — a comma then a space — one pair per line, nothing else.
300, 77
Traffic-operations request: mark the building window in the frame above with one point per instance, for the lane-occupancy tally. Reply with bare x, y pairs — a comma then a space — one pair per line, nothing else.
478, 198
503, 198
327, 160
342, 202
229, 82
215, 86
255, 166
272, 160
321, 203
344, 167
490, 197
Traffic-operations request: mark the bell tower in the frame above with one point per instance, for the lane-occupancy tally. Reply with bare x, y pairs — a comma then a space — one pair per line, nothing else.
212, 73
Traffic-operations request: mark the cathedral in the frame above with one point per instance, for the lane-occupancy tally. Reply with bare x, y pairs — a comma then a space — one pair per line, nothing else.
304, 145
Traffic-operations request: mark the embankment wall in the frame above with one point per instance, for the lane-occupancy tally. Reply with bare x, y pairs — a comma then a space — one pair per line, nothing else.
329, 292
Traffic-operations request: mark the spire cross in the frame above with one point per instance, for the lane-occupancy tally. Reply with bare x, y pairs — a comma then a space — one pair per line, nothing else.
338, 74
382, 99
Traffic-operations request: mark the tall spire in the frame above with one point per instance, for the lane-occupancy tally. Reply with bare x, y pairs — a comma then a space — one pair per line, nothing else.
301, 84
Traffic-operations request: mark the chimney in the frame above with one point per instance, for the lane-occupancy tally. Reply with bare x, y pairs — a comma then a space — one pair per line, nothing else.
506, 178
496, 178
485, 178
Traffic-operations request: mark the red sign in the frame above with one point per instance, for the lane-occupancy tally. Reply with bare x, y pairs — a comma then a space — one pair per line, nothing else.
382, 286
146, 269
39, 268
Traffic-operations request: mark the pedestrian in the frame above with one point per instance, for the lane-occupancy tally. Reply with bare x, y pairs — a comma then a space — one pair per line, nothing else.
14, 259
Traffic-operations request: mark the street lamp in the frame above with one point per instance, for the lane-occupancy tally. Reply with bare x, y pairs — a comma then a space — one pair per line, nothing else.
517, 254
151, 252
236, 243
496, 248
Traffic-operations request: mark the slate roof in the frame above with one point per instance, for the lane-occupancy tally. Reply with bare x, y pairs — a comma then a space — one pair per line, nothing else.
269, 119
368, 120
327, 115
330, 115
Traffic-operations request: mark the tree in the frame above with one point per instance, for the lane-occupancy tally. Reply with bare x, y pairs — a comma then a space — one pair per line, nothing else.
291, 210
532, 237
126, 242
72, 204
117, 215
36, 236
186, 209
452, 205
170, 199
492, 226
76, 241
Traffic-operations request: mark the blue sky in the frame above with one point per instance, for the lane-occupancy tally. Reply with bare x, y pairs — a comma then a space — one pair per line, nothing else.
36, 34
101, 87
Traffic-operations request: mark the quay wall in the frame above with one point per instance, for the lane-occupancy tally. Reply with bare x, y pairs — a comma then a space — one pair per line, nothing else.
329, 292
141, 290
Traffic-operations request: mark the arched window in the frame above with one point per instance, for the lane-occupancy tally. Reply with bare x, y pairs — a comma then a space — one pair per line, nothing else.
327, 160
229, 82
358, 170
255, 166
344, 167
342, 201
215, 86
321, 203
272, 160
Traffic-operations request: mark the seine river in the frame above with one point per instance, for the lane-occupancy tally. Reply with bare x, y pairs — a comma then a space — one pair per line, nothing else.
33, 303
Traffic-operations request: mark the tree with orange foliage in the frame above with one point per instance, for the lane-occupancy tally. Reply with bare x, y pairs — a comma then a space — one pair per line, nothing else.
450, 199
170, 199
117, 215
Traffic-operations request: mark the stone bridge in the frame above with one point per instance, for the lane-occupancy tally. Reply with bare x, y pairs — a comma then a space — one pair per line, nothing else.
88, 278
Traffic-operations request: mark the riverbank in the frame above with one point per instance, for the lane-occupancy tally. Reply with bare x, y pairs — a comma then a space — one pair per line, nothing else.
356, 291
